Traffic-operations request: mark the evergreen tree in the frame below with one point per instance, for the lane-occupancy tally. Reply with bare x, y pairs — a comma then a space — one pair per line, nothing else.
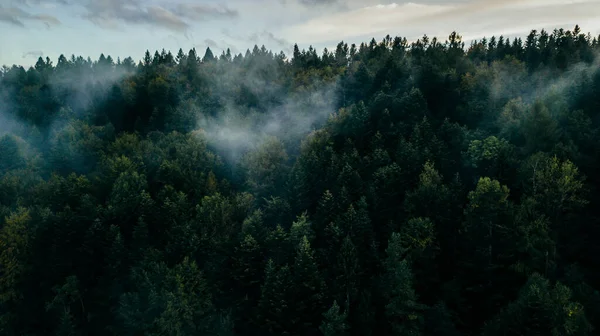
377, 188
208, 56
334, 322
308, 288
541, 309
403, 311
274, 307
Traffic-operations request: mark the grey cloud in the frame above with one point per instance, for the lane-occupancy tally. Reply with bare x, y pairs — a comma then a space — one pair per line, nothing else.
264, 37
8, 15
109, 13
317, 2
228, 33
268, 38
332, 5
218, 46
211, 43
232, 48
42, 2
47, 19
16, 16
164, 17
224, 45
311, 2
33, 54
281, 42
259, 38
196, 12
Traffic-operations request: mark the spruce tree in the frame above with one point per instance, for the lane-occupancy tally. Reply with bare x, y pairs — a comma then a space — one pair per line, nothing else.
334, 322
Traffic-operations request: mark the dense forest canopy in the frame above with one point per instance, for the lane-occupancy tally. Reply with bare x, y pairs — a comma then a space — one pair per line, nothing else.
425, 188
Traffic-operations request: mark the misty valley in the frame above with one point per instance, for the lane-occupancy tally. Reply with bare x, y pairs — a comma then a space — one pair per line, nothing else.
417, 188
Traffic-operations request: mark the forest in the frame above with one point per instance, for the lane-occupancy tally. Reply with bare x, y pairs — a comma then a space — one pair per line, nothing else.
426, 188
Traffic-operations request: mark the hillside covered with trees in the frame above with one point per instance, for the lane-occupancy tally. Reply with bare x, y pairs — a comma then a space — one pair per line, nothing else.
388, 188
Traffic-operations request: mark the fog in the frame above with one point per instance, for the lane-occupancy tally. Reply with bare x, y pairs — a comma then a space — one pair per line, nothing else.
233, 132
255, 99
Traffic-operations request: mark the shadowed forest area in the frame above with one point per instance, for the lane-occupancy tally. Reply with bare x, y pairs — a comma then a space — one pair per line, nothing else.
389, 188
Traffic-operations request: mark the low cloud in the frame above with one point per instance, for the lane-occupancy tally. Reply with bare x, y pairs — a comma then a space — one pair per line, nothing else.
197, 12
33, 54
318, 2
17, 17
233, 132
112, 13
265, 37
270, 37
49, 3
211, 43
217, 46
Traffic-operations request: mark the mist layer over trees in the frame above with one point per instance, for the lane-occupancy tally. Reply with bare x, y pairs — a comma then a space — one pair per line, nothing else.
390, 188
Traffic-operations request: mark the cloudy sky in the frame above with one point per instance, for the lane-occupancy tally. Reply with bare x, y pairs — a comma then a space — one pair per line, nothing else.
33, 28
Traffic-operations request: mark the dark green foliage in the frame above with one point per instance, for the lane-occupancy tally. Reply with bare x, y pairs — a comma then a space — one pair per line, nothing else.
541, 309
438, 321
402, 310
307, 298
334, 322
166, 301
274, 306
385, 188
11, 157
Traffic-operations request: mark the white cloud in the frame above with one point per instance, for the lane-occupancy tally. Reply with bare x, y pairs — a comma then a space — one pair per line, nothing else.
473, 20
276, 23
368, 20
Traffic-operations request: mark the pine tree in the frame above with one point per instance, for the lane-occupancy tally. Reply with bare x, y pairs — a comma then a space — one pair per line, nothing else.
347, 273
167, 301
208, 56
147, 59
488, 246
308, 290
274, 307
438, 321
403, 311
301, 228
66, 326
541, 309
357, 224
334, 322
278, 244
15, 238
